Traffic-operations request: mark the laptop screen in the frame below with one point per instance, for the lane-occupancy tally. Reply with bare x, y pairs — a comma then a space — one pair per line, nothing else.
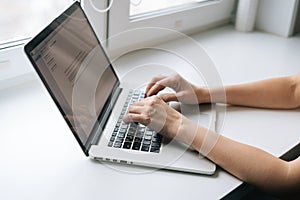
76, 71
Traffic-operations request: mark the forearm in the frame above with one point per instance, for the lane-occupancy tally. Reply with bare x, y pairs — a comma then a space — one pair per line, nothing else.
250, 164
271, 93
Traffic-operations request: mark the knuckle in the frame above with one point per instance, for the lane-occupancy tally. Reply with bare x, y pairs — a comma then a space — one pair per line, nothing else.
151, 102
155, 79
129, 116
147, 119
130, 109
176, 76
156, 99
148, 110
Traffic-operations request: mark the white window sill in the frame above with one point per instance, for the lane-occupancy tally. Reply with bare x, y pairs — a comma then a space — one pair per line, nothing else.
15, 68
229, 49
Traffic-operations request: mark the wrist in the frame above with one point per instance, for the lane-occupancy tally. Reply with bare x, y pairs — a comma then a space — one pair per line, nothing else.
199, 138
203, 95
205, 140
213, 95
188, 133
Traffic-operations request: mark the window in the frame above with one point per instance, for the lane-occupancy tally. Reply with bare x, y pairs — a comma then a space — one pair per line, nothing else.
147, 6
19, 21
185, 16
22, 19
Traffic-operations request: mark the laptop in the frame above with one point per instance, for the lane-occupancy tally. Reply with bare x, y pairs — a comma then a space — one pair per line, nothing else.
80, 78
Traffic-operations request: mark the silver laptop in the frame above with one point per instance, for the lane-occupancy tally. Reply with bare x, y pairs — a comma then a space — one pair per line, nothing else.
74, 68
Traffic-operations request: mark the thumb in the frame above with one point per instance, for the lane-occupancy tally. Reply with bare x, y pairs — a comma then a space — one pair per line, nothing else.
168, 97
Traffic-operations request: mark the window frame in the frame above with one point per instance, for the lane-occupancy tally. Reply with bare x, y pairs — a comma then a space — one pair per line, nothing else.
185, 19
98, 20
108, 24
14, 66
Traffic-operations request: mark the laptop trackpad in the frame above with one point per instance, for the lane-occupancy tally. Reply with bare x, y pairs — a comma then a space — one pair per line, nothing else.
186, 157
193, 113
183, 158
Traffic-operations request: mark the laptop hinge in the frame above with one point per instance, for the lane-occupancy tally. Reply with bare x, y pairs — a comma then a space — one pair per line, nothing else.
102, 123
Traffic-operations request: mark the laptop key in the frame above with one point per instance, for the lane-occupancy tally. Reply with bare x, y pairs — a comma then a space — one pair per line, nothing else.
114, 133
131, 134
110, 144
146, 142
122, 130
129, 138
138, 140
145, 148
112, 139
118, 144
154, 150
121, 135
134, 135
120, 140
148, 137
141, 129
124, 126
148, 133
126, 145
136, 145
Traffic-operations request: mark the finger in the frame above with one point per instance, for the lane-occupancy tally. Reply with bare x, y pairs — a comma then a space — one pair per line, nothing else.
152, 83
132, 117
162, 84
169, 97
135, 109
154, 90
150, 100
139, 103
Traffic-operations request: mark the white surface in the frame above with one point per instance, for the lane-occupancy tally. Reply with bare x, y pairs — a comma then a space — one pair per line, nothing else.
246, 15
40, 158
277, 16
12, 70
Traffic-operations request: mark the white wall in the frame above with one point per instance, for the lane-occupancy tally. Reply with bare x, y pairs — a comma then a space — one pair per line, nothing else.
277, 16
97, 19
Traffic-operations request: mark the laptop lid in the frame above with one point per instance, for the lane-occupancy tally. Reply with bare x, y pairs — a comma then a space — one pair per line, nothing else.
73, 66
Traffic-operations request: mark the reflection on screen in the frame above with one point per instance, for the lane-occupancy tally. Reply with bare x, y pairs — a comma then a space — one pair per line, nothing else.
77, 71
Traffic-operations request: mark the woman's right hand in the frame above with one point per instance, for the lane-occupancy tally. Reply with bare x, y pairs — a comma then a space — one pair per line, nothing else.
185, 92
154, 113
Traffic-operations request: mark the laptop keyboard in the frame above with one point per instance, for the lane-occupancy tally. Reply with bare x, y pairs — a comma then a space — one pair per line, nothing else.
133, 135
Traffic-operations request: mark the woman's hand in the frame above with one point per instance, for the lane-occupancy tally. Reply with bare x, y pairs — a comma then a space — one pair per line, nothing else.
185, 91
160, 117
156, 114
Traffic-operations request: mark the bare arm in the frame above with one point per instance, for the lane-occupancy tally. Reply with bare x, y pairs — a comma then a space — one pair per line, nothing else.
251, 164
278, 93
248, 163
255, 166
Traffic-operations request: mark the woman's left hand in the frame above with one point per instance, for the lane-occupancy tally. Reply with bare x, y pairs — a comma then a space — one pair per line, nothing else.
156, 114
